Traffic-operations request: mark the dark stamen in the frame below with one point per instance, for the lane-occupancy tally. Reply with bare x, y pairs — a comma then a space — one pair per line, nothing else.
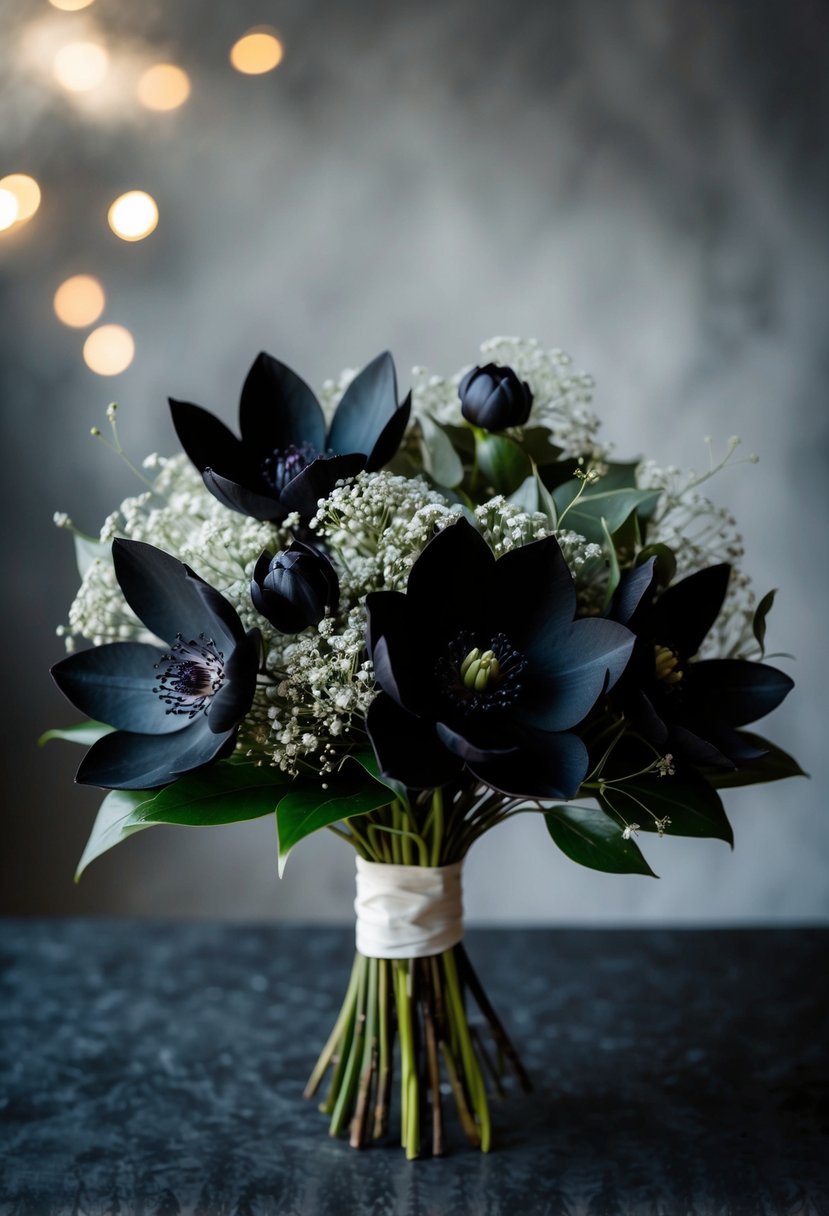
190, 675
283, 464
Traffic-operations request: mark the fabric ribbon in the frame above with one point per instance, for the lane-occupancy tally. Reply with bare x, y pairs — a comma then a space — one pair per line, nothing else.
407, 911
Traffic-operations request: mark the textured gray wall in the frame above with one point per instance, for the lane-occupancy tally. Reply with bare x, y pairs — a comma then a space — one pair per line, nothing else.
642, 182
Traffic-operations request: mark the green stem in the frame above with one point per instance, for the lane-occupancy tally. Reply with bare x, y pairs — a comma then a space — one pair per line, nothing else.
345, 1093
471, 1068
327, 1053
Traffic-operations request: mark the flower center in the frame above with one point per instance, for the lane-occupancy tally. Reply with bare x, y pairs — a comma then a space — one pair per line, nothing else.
283, 464
667, 665
482, 677
190, 675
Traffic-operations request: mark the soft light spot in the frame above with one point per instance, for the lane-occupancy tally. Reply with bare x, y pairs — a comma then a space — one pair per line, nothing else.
133, 215
26, 193
79, 301
70, 6
256, 52
163, 87
8, 209
81, 66
109, 350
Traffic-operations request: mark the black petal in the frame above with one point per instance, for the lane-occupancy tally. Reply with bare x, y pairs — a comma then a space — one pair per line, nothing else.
258, 504
162, 594
733, 691
114, 684
390, 437
367, 405
452, 580
534, 594
547, 766
407, 748
278, 409
316, 481
208, 442
631, 591
126, 761
568, 672
683, 615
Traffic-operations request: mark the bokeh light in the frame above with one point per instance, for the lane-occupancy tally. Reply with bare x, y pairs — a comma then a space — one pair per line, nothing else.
70, 6
79, 301
256, 52
26, 193
109, 350
8, 209
81, 66
133, 216
163, 87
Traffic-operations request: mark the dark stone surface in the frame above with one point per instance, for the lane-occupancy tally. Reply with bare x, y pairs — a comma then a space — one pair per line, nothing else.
157, 1069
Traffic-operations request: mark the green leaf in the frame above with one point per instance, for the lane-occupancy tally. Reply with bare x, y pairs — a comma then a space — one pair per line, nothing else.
693, 807
619, 475
86, 733
89, 551
614, 574
759, 623
589, 836
536, 442
586, 514
224, 793
307, 806
665, 564
532, 495
368, 761
440, 460
501, 461
775, 766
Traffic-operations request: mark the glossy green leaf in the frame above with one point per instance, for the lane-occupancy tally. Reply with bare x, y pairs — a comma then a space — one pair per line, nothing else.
532, 495
535, 440
308, 806
759, 623
613, 574
585, 515
440, 460
776, 765
224, 793
86, 733
501, 461
593, 838
691, 805
664, 565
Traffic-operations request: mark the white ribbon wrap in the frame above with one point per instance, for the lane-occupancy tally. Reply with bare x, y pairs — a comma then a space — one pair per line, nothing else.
407, 911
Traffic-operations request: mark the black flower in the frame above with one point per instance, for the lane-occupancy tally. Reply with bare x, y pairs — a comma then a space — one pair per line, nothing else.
296, 588
173, 710
681, 705
481, 663
285, 461
494, 398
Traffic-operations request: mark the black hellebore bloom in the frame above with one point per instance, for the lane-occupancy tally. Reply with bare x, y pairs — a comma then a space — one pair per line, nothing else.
494, 398
481, 663
296, 588
690, 708
173, 710
284, 460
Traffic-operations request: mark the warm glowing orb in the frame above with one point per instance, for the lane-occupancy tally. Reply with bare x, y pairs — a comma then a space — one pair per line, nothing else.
26, 193
79, 301
109, 350
81, 66
70, 6
133, 216
256, 52
163, 87
8, 209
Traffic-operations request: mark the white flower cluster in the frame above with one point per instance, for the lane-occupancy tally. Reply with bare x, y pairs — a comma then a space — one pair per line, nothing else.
322, 686
561, 394
376, 525
179, 516
701, 534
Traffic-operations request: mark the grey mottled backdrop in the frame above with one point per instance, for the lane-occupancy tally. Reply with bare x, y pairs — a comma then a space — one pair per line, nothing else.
642, 182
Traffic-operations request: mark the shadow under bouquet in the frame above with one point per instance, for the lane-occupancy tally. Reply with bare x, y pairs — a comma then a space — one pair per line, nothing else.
406, 623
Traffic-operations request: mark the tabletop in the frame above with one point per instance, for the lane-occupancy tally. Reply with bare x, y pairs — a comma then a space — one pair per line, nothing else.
157, 1069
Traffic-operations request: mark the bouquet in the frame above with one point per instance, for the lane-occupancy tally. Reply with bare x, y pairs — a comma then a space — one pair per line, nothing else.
405, 623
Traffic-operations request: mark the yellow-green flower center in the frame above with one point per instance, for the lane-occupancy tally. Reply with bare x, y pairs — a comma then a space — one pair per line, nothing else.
667, 665
479, 669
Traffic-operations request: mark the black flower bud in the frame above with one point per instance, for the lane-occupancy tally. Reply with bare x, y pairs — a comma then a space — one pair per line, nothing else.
494, 398
295, 589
